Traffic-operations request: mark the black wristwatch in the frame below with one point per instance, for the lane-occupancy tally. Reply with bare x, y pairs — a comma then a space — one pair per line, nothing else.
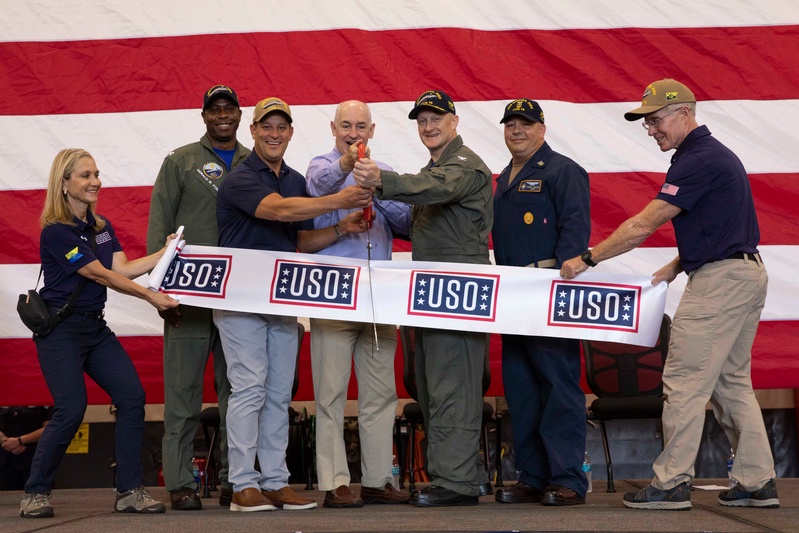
586, 257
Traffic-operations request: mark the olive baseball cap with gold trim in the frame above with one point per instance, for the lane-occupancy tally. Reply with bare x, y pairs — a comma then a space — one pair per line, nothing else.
658, 95
270, 105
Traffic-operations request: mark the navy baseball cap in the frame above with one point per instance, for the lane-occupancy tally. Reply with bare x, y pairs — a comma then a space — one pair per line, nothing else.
219, 91
437, 101
528, 109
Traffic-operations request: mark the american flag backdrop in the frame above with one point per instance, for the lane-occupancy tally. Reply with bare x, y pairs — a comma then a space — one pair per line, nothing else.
125, 80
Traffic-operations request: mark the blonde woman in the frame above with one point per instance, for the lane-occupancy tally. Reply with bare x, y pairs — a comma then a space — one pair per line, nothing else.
76, 243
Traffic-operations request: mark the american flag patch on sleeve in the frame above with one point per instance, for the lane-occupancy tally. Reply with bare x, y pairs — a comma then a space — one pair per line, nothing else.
669, 189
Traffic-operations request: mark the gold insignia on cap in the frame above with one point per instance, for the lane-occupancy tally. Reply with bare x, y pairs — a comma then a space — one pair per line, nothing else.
427, 95
528, 218
671, 95
518, 105
217, 88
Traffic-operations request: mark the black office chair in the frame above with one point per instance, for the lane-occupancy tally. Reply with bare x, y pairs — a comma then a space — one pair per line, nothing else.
209, 418
628, 382
412, 412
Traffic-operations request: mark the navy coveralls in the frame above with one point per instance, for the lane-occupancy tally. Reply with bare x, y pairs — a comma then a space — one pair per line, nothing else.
544, 214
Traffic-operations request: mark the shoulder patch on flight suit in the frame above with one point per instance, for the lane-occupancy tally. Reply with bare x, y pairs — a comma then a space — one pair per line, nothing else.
530, 186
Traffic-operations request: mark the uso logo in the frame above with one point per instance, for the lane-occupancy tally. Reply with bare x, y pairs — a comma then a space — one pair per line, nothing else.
314, 284
199, 275
594, 305
453, 295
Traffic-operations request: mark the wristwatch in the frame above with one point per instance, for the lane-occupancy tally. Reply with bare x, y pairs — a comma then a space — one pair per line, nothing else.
586, 257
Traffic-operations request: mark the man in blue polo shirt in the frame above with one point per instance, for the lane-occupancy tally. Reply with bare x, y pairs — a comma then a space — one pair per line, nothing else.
263, 205
707, 197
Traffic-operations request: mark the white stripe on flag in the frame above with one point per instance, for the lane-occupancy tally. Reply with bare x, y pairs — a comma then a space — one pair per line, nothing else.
56, 20
132, 146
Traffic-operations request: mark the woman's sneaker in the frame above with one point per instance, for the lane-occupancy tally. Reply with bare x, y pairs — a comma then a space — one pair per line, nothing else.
766, 497
36, 505
138, 500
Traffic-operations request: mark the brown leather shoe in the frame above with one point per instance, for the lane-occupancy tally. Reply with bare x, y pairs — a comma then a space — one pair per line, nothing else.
185, 499
250, 500
521, 492
388, 495
560, 495
342, 498
286, 498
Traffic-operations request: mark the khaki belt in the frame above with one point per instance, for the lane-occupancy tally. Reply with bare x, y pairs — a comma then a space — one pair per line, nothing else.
546, 263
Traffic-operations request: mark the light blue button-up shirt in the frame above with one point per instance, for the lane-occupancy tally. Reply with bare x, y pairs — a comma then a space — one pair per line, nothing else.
325, 177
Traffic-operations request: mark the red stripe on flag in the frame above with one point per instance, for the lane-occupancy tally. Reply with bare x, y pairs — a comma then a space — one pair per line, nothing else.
583, 66
615, 197
774, 366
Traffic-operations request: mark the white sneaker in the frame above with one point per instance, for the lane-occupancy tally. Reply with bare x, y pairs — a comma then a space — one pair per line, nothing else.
138, 500
36, 505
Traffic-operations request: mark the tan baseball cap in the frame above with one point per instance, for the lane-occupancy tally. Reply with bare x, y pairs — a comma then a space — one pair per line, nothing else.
269, 105
660, 94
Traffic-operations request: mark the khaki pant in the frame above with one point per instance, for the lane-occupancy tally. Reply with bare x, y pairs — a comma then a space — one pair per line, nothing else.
710, 359
334, 346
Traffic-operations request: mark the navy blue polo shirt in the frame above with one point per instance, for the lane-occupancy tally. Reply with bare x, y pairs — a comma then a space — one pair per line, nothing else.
709, 183
64, 250
238, 198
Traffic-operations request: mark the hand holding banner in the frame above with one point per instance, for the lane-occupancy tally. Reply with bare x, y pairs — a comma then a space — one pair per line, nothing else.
157, 275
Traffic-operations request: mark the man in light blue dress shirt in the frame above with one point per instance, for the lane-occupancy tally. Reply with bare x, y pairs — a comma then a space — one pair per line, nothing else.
335, 343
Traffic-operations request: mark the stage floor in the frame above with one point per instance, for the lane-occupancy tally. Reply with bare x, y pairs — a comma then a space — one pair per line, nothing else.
90, 510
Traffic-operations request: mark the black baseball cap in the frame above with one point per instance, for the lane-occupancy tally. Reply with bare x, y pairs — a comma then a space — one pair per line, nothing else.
219, 91
438, 101
528, 109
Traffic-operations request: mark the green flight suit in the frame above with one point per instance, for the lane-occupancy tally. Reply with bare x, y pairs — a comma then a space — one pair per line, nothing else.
451, 219
184, 193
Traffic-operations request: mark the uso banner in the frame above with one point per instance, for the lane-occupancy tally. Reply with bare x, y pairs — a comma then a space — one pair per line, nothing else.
489, 298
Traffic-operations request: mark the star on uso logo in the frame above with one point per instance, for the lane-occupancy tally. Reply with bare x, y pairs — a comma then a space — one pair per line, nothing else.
198, 275
453, 295
594, 305
315, 284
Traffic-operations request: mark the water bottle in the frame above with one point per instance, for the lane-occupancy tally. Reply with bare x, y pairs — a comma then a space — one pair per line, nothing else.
587, 470
732, 482
395, 472
195, 470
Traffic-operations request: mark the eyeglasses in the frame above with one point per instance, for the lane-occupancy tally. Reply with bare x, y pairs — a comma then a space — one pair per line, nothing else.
655, 122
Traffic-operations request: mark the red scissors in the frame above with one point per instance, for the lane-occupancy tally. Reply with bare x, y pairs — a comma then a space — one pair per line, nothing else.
367, 211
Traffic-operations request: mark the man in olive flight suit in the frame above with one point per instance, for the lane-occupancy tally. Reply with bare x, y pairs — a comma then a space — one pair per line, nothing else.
451, 219
185, 194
